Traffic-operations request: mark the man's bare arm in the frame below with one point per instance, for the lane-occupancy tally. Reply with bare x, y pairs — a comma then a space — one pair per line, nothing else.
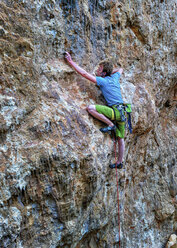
80, 70
120, 70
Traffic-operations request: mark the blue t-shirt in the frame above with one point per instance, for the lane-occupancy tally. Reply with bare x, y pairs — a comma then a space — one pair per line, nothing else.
110, 88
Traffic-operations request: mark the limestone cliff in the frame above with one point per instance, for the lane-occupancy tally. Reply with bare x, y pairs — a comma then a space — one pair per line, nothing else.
56, 189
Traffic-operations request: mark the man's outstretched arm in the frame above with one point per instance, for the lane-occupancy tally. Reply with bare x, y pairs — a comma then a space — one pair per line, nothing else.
77, 68
120, 70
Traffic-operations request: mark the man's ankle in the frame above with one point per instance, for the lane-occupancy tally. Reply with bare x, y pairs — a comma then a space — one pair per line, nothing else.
118, 162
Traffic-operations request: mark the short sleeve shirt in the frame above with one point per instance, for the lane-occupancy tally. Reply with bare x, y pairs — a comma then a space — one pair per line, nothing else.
110, 88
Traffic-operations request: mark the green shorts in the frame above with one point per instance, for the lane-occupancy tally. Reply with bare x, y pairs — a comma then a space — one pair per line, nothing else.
109, 112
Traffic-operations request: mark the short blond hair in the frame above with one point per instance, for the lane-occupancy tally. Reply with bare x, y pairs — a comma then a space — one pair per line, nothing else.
107, 67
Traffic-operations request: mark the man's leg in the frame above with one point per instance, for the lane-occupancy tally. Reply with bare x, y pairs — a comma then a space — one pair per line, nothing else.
120, 132
92, 110
121, 147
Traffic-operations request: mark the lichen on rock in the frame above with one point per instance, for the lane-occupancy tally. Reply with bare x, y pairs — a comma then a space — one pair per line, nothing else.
56, 189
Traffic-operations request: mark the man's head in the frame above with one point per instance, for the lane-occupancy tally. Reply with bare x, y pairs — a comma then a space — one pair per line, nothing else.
105, 69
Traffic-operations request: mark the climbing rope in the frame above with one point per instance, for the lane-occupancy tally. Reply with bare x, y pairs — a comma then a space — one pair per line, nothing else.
115, 140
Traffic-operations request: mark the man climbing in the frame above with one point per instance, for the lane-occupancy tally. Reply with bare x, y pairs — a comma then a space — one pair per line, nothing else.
107, 79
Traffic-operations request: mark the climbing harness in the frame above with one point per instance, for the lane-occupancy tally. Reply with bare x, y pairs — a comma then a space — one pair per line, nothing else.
121, 109
115, 140
124, 109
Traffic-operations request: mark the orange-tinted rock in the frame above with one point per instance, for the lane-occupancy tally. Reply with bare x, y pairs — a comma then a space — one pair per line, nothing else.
56, 189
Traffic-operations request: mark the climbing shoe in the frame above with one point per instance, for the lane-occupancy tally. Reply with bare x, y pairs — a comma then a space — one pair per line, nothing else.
116, 165
107, 129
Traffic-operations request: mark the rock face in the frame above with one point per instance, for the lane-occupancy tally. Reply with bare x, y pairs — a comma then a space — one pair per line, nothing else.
56, 189
172, 241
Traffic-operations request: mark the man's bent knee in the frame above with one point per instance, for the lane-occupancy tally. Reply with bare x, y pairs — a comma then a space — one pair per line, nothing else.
91, 108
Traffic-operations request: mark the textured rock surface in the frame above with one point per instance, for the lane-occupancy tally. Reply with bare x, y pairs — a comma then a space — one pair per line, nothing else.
172, 241
55, 186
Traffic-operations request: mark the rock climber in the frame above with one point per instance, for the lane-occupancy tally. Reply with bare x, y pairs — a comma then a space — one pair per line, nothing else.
107, 79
